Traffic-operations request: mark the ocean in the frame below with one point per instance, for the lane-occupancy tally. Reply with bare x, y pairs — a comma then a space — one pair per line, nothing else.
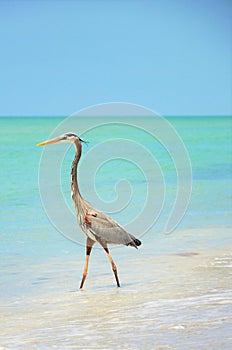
175, 289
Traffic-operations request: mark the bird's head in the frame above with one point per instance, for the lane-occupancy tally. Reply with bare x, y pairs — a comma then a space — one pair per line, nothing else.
70, 137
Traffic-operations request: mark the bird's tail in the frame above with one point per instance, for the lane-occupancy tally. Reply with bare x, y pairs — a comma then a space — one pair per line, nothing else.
135, 242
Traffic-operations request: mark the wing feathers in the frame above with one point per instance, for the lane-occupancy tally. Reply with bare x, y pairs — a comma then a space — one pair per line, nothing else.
105, 229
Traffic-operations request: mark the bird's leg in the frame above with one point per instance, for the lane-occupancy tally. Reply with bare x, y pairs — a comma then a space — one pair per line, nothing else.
114, 267
89, 245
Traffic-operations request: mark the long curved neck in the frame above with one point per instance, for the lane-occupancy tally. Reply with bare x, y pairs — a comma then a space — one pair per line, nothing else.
74, 182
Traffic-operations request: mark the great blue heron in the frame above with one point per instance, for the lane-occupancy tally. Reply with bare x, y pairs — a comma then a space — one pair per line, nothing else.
98, 226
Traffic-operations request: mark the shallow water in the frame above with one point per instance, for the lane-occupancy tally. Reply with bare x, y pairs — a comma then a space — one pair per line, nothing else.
178, 300
176, 289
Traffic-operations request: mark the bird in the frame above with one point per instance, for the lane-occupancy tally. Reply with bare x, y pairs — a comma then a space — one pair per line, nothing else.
96, 225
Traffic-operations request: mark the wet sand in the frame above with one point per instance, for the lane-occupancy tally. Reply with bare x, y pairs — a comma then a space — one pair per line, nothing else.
178, 300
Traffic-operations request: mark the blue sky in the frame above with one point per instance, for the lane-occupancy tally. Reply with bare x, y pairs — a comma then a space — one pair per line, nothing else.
60, 56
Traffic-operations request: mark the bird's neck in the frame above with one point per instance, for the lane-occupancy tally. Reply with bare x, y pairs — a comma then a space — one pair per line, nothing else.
74, 182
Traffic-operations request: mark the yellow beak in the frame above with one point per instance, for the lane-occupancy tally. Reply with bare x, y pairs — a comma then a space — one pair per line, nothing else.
49, 142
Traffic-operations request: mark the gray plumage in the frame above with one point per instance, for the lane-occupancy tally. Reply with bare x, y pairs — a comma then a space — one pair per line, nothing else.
102, 227
98, 226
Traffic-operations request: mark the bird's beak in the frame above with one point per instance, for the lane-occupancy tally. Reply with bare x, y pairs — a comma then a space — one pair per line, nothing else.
50, 142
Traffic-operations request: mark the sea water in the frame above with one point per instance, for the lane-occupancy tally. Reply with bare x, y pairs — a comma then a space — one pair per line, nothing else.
176, 289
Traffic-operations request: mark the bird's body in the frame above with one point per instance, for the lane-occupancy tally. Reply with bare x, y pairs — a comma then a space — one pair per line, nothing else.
94, 223
98, 226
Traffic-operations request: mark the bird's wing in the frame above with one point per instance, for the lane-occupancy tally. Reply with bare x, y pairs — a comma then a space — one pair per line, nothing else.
107, 230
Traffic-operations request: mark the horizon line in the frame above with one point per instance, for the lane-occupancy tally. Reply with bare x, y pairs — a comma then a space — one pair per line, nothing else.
92, 116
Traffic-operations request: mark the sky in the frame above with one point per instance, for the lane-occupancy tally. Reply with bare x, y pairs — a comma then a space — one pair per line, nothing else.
172, 56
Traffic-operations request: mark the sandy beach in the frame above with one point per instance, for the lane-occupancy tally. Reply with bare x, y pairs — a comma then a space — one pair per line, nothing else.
179, 299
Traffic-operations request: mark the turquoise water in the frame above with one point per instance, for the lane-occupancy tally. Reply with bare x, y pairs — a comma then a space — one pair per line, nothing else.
166, 278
